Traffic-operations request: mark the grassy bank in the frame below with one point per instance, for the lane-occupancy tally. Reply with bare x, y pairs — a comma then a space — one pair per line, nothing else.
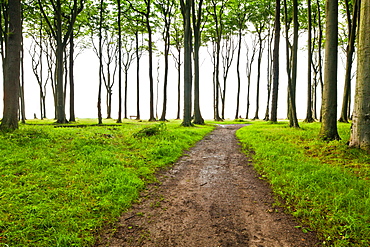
325, 184
59, 185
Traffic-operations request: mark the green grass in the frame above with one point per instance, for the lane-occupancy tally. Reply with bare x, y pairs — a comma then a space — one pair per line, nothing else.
58, 186
325, 184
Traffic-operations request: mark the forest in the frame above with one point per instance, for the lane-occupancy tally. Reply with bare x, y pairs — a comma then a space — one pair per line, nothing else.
64, 179
121, 32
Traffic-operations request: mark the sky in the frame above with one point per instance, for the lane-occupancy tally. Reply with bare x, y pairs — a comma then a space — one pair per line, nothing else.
87, 79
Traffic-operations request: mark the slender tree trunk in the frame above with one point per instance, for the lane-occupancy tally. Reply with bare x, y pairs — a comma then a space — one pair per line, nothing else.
186, 11
293, 121
309, 118
260, 40
238, 74
178, 84
276, 65
72, 117
321, 81
100, 117
12, 68
21, 91
328, 129
197, 17
360, 134
349, 61
119, 120
137, 76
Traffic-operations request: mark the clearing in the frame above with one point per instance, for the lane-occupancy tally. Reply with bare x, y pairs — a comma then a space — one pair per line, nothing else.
211, 197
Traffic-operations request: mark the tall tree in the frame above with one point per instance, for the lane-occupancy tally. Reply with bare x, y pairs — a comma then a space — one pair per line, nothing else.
309, 118
166, 8
12, 67
61, 32
146, 12
186, 12
360, 134
276, 64
239, 14
352, 28
329, 129
197, 22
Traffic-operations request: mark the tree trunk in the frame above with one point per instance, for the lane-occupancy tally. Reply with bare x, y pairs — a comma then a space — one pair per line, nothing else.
238, 73
119, 119
197, 17
21, 91
137, 76
349, 61
12, 68
186, 11
276, 65
328, 129
100, 118
360, 134
309, 118
72, 117
260, 51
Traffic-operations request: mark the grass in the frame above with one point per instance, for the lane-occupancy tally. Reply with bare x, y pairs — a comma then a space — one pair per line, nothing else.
58, 186
325, 184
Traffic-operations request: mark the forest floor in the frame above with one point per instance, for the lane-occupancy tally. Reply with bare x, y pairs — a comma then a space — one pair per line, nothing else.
211, 197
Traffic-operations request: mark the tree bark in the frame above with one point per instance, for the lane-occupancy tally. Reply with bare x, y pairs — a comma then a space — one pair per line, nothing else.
276, 65
186, 12
328, 129
309, 118
197, 17
360, 134
12, 68
352, 24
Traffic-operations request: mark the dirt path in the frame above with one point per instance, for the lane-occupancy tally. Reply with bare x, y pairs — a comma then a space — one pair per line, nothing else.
211, 197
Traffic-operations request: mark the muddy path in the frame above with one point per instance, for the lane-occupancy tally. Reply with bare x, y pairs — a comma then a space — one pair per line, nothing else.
211, 197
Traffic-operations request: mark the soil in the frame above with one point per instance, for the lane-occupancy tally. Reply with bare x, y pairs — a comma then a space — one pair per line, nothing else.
211, 197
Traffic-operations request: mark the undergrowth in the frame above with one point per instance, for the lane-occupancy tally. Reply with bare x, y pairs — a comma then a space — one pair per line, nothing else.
58, 186
325, 184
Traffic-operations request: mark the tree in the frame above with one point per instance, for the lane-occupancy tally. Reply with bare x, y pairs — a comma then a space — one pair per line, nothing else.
239, 14
12, 67
61, 32
352, 27
177, 35
166, 8
186, 13
309, 118
276, 65
249, 63
360, 134
146, 12
197, 22
329, 129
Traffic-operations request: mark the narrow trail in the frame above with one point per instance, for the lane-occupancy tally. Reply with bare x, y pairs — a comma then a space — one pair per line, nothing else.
211, 197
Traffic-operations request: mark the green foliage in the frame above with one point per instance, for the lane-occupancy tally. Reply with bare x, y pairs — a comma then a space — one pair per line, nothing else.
324, 184
58, 186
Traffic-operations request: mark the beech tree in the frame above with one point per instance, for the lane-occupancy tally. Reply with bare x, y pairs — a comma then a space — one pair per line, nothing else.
186, 13
238, 11
329, 129
11, 71
350, 50
61, 32
276, 64
197, 11
360, 134
166, 9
